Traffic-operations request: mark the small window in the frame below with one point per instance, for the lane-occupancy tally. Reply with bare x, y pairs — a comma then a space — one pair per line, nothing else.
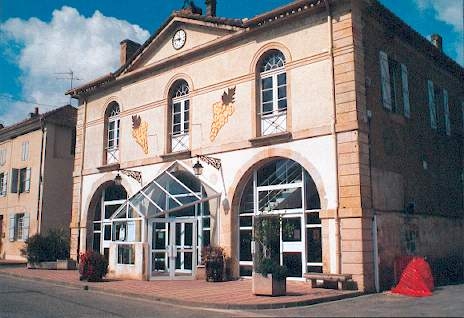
25, 151
20, 180
126, 254
180, 117
113, 124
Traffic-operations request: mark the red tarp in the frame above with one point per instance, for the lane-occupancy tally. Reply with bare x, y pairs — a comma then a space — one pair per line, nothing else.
416, 279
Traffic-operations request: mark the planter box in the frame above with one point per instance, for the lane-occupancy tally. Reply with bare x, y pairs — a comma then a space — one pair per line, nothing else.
268, 286
59, 264
66, 264
201, 272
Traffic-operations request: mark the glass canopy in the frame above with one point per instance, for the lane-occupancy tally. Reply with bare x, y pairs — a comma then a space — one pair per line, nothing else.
174, 189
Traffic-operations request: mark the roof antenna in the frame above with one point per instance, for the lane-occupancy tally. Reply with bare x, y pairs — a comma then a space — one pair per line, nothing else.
71, 77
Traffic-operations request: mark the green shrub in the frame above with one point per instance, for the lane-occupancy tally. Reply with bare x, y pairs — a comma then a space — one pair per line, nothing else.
47, 247
92, 266
213, 258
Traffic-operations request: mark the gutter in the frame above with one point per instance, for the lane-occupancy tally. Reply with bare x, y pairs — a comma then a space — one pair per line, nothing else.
335, 140
41, 176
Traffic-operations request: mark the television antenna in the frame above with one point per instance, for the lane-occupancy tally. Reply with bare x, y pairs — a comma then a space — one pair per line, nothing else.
69, 76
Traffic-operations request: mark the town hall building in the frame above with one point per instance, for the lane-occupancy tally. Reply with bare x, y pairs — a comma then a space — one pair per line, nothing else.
334, 114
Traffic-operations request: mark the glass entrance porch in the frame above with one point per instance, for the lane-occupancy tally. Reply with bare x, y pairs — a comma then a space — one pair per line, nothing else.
178, 211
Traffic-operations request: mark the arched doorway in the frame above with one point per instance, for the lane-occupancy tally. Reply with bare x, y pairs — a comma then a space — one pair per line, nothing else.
282, 186
105, 201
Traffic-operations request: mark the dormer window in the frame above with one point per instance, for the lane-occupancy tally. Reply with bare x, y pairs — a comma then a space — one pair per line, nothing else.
112, 133
273, 93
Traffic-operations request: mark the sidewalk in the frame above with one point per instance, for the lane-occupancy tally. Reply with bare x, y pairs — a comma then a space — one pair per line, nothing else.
224, 295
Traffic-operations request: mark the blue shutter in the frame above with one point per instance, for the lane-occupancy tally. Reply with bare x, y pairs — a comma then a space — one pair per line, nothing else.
446, 112
404, 80
432, 106
385, 78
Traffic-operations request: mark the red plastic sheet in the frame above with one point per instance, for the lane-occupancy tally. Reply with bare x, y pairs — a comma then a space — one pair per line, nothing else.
416, 279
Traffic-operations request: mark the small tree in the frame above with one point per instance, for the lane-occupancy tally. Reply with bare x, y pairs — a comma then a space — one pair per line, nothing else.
92, 266
267, 246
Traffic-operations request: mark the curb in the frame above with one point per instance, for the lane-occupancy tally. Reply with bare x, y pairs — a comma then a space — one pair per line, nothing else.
167, 300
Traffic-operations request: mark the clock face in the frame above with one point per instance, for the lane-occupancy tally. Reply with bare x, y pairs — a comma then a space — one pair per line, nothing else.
178, 40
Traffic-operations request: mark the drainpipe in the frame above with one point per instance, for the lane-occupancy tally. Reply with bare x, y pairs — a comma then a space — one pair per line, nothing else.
334, 136
41, 175
84, 122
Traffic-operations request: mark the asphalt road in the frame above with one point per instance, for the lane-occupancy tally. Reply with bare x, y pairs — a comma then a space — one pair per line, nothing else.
31, 299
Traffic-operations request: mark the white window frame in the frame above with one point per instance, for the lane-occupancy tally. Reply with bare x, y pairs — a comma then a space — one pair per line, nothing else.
274, 121
114, 125
19, 226
180, 140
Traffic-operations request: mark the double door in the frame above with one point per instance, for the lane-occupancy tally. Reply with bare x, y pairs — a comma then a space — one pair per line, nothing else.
173, 248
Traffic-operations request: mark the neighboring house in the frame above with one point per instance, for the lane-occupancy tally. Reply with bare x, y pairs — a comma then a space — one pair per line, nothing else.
36, 164
335, 114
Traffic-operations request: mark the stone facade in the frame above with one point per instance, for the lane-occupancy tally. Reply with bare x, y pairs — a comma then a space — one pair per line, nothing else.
335, 124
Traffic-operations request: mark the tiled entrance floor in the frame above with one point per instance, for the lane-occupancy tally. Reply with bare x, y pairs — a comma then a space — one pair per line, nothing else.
232, 295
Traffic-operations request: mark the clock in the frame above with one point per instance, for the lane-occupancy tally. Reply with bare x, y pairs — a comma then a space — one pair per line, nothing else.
178, 40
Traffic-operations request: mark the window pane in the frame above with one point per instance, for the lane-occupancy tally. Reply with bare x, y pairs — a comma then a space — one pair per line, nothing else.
266, 83
291, 229
186, 126
313, 201
293, 263
282, 92
110, 209
267, 108
246, 270
282, 79
245, 245
314, 248
283, 104
187, 104
280, 199
314, 269
176, 108
176, 128
107, 235
206, 222
313, 218
246, 221
176, 119
96, 242
188, 238
279, 172
267, 96
126, 254
206, 238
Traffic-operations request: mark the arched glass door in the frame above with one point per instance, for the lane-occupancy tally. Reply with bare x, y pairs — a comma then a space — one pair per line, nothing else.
283, 187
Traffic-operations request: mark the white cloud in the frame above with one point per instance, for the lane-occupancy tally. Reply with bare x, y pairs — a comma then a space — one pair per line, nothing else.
451, 13
87, 45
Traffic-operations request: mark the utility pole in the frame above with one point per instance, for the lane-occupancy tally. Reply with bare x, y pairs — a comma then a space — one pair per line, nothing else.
70, 77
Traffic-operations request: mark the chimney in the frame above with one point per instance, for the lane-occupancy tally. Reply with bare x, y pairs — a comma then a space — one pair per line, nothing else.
35, 113
211, 8
437, 40
128, 48
189, 7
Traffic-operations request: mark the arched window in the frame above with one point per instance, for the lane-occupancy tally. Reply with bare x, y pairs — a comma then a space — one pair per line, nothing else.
112, 124
179, 116
273, 93
284, 187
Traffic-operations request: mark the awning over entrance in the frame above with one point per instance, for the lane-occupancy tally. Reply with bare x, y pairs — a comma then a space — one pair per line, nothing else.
174, 189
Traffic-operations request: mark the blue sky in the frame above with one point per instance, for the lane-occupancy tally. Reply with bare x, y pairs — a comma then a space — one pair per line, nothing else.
41, 38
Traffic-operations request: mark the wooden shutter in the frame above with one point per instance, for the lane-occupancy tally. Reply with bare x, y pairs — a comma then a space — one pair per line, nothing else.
404, 80
25, 226
446, 112
432, 106
385, 78
12, 228
14, 180
27, 185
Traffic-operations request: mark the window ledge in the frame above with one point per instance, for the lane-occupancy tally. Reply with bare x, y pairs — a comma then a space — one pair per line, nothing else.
271, 139
110, 167
176, 155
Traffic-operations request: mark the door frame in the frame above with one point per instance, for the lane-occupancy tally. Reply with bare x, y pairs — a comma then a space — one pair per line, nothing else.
172, 248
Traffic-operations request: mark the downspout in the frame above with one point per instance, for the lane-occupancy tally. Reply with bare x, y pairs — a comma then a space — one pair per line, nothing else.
81, 177
335, 141
41, 175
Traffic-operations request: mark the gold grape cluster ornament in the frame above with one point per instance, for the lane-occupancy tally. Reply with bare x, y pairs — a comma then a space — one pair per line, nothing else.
140, 132
222, 111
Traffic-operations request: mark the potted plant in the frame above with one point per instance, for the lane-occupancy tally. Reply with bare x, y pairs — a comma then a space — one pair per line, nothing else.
269, 277
214, 263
